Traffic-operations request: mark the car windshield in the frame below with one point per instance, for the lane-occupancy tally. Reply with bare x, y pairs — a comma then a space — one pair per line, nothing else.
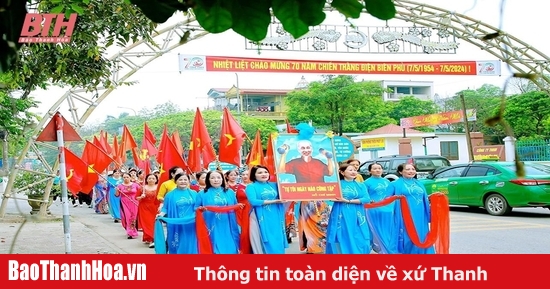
531, 169
430, 164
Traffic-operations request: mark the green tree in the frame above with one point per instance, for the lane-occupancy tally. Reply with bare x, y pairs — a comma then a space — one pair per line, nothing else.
484, 100
159, 110
16, 120
528, 114
409, 106
251, 18
80, 63
373, 112
182, 121
521, 85
336, 101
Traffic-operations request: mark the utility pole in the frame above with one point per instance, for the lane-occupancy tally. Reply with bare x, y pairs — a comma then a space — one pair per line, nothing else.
467, 128
240, 100
4, 171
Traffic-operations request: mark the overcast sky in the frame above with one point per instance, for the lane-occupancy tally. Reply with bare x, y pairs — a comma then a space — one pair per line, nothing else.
160, 81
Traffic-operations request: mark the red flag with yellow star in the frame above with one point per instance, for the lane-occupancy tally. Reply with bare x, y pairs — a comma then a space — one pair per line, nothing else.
256, 154
95, 157
147, 150
77, 171
97, 161
148, 142
170, 158
200, 145
231, 140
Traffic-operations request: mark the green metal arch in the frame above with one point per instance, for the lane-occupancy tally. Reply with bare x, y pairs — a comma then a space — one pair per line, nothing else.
520, 56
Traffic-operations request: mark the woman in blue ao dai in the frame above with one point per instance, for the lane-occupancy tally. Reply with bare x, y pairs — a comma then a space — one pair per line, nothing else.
267, 218
222, 227
181, 202
381, 219
348, 231
419, 206
113, 200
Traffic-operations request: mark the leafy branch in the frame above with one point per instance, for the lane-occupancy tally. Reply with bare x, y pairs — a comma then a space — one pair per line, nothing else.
251, 18
80, 63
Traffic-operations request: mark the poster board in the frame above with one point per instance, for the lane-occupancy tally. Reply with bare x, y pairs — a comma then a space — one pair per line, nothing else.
487, 153
306, 169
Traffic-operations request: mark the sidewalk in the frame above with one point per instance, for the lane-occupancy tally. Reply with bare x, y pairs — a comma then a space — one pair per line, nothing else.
90, 233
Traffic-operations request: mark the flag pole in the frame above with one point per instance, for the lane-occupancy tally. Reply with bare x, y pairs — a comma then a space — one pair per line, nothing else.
63, 181
249, 140
218, 164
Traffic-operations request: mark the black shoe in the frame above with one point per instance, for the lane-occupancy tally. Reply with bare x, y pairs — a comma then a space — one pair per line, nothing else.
116, 221
130, 237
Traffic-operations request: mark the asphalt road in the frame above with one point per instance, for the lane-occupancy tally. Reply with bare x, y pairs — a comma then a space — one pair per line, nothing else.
525, 231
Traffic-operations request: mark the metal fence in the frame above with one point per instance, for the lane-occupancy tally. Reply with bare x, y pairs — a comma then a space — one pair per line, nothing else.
533, 150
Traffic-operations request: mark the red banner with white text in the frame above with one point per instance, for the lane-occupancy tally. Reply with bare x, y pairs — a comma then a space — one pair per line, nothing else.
225, 271
241, 64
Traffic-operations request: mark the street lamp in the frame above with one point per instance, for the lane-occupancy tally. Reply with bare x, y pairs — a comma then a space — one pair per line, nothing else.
135, 113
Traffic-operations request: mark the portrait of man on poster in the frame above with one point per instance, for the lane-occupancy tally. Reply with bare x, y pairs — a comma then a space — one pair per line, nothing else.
306, 168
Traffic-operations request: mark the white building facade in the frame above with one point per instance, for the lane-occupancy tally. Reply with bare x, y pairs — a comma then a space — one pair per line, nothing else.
423, 90
452, 145
385, 142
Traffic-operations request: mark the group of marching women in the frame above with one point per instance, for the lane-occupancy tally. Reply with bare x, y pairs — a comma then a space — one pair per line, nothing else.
131, 199
212, 213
